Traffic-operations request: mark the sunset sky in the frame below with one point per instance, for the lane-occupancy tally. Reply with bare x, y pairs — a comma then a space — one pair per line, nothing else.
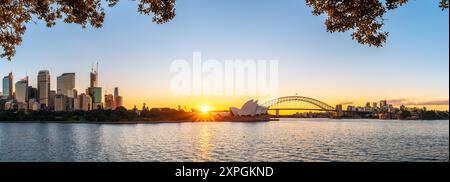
135, 54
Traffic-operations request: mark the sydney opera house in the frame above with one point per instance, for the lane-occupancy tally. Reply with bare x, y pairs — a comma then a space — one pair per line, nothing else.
250, 108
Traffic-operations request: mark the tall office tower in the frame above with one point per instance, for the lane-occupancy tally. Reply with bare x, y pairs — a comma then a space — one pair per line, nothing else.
118, 102
66, 84
116, 96
116, 91
94, 91
96, 97
32, 93
44, 88
8, 86
22, 90
94, 77
109, 101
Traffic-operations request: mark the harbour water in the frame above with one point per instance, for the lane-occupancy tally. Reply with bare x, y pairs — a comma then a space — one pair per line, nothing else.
284, 140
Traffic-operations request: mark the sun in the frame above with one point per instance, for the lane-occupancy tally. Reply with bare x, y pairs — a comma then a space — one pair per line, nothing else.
204, 108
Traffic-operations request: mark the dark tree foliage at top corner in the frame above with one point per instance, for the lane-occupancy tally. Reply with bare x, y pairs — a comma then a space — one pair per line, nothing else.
363, 17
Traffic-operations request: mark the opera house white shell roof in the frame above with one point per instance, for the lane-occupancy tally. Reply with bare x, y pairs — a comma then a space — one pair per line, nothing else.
250, 108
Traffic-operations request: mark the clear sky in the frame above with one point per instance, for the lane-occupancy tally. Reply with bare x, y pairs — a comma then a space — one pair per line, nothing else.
135, 54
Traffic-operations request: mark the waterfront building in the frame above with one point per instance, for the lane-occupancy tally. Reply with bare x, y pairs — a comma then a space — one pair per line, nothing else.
339, 107
391, 108
118, 102
84, 102
21, 93
33, 105
22, 106
96, 95
109, 101
32, 93
60, 102
44, 88
76, 103
350, 108
66, 84
9, 105
51, 100
250, 108
116, 91
8, 86
375, 105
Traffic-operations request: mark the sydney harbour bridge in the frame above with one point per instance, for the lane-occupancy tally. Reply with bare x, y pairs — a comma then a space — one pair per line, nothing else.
296, 103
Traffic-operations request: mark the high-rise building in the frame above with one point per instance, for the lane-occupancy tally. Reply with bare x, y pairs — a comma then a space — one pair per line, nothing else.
109, 101
116, 91
94, 77
44, 88
8, 86
96, 96
383, 103
21, 93
118, 101
84, 102
32, 93
51, 99
60, 102
375, 105
117, 98
33, 105
94, 91
66, 84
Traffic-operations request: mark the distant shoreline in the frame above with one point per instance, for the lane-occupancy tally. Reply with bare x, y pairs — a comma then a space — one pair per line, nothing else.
183, 121
134, 122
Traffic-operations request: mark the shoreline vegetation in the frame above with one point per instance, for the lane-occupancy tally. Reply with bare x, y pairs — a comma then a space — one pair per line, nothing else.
123, 116
165, 115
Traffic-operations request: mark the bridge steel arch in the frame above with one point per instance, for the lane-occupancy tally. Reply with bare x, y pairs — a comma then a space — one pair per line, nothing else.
286, 99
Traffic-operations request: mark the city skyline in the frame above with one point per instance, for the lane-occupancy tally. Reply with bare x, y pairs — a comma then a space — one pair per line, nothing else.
135, 55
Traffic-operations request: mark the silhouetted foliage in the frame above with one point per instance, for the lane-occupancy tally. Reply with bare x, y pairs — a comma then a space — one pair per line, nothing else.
365, 17
15, 14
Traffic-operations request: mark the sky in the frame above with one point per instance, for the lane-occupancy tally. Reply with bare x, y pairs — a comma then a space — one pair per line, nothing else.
135, 54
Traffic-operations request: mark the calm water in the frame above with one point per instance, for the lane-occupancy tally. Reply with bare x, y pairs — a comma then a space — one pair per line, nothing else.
286, 140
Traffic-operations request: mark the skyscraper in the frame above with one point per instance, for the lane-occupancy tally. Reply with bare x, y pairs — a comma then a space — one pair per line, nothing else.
94, 91
32, 93
44, 87
22, 90
96, 97
94, 77
109, 101
51, 99
117, 98
66, 84
116, 91
8, 86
